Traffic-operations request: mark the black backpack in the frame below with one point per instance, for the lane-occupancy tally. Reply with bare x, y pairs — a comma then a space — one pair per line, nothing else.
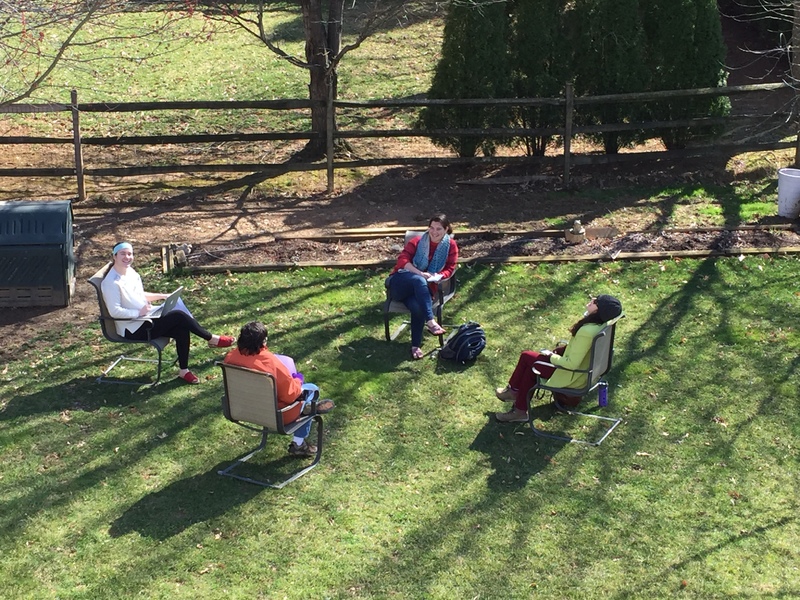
465, 344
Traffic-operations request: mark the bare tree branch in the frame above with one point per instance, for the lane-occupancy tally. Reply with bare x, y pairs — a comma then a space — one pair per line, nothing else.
36, 36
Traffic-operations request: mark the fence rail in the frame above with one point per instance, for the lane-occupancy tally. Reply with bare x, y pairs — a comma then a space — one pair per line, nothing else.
568, 132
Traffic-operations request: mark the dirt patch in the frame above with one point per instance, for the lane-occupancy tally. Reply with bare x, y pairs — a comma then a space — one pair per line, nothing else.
239, 224
485, 247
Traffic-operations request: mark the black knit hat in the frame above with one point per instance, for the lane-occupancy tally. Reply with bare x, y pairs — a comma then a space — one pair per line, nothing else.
608, 307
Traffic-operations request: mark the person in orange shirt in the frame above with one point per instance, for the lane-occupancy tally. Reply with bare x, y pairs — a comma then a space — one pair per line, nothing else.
251, 352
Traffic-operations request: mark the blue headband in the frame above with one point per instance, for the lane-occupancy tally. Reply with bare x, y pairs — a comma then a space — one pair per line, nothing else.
121, 246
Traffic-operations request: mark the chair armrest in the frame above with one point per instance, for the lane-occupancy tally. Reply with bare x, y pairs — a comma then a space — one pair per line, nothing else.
114, 319
445, 286
291, 406
549, 364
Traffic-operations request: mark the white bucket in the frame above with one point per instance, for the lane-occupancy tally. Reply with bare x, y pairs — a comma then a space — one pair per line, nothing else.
789, 193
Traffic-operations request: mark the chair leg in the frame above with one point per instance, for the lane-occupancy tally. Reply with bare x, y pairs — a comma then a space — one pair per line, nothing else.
313, 464
228, 471
390, 337
541, 433
439, 321
103, 377
393, 336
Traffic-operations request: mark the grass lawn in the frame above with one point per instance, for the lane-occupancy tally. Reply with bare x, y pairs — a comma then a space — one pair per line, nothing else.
112, 492
199, 60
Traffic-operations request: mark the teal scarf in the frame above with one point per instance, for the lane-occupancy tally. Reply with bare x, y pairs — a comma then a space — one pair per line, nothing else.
439, 257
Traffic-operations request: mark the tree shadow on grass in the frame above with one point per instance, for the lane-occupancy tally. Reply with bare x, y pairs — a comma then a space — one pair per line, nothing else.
86, 394
647, 587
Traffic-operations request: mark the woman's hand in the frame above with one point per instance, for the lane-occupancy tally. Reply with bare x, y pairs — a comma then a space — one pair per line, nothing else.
151, 297
145, 309
546, 352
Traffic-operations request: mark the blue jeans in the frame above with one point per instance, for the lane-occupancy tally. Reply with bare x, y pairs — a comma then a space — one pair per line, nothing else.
412, 290
309, 390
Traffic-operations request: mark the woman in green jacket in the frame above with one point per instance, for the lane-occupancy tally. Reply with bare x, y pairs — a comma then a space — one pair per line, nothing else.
575, 356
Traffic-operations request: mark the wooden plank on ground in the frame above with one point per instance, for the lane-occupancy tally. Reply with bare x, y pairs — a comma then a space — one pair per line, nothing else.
521, 180
498, 260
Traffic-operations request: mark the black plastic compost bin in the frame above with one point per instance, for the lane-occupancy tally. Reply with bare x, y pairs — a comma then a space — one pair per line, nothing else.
37, 264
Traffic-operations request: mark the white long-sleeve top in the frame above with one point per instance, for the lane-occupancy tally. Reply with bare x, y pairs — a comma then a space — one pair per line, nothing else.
124, 297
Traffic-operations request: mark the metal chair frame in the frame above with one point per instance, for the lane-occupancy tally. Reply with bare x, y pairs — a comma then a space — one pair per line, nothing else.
251, 397
110, 333
600, 359
446, 289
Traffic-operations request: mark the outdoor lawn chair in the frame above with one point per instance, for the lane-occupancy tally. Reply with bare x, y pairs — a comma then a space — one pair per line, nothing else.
110, 333
600, 357
250, 398
446, 290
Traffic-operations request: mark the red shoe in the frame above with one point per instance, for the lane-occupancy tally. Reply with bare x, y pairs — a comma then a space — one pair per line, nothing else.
225, 341
189, 377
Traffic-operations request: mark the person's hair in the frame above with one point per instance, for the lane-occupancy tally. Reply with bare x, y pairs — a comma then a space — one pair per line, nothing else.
252, 337
592, 318
608, 307
443, 221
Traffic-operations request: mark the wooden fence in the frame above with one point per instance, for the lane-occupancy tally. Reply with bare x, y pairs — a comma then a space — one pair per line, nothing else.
569, 132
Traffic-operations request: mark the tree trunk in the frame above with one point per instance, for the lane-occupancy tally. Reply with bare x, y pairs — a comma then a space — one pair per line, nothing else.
794, 59
323, 41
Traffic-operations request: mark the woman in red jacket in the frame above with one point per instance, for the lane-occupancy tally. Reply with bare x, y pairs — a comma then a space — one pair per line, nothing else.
425, 260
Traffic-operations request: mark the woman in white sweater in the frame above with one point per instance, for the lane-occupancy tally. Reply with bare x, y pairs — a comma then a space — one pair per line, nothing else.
127, 301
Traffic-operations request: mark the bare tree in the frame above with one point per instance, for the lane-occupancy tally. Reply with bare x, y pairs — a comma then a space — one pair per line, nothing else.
323, 27
794, 58
36, 36
778, 21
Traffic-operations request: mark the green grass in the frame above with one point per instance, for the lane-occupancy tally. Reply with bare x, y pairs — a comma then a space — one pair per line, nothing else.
201, 60
112, 492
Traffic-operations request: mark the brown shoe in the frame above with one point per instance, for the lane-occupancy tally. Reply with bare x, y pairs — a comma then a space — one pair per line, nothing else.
323, 406
513, 416
506, 394
303, 450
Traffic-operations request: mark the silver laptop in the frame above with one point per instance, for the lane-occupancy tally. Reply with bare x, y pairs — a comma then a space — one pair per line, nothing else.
167, 305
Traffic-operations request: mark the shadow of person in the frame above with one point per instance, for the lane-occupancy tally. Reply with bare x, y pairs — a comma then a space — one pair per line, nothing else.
543, 412
514, 453
180, 505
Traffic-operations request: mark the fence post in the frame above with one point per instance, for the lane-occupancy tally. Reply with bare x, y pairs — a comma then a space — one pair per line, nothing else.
76, 136
329, 128
568, 94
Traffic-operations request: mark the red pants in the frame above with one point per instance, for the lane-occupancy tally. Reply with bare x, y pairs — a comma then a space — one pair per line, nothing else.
523, 378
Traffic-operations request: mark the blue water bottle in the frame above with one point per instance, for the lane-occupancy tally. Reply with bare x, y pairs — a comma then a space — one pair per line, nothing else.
602, 396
